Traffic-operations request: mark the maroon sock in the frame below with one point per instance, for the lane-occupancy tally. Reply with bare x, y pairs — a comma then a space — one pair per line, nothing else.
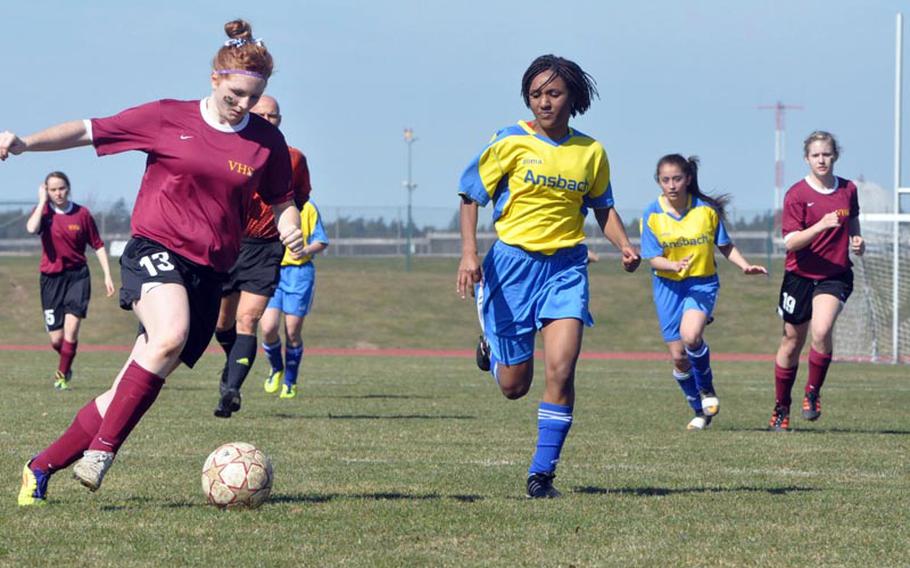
135, 394
67, 354
818, 370
69, 446
783, 384
56, 346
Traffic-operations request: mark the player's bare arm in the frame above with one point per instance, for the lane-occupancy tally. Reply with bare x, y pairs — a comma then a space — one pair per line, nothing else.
799, 240
287, 218
62, 136
469, 271
733, 255
33, 224
611, 225
664, 264
857, 242
106, 269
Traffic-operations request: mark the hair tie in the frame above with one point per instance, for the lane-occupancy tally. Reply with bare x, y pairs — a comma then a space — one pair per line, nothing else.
240, 42
240, 72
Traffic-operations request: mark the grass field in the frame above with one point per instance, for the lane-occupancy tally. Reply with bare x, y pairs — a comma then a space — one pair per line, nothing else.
389, 461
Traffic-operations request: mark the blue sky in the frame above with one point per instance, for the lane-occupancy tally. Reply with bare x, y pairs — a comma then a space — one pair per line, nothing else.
673, 77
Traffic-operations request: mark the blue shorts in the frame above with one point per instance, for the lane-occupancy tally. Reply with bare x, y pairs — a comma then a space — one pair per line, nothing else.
672, 298
296, 288
522, 290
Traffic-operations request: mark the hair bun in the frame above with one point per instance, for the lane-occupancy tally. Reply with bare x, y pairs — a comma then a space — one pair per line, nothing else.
238, 29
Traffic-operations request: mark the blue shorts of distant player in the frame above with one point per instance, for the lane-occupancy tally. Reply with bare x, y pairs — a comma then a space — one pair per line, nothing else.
521, 291
673, 298
296, 289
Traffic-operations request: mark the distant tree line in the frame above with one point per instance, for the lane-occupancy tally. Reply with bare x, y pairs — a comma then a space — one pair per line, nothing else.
115, 219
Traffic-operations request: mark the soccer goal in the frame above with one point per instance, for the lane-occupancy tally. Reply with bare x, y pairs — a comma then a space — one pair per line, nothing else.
875, 324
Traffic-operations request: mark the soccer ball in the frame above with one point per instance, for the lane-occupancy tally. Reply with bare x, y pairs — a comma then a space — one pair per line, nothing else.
237, 475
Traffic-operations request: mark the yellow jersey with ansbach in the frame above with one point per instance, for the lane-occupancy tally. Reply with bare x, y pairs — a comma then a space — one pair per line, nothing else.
694, 233
313, 232
541, 188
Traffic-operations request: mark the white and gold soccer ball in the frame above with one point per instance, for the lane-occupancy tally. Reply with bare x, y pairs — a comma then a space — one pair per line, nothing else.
237, 475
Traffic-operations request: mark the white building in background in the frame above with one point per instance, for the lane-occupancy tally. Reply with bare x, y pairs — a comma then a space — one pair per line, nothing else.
873, 198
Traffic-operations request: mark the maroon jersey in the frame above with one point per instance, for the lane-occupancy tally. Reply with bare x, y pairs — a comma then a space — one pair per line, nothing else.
827, 255
260, 221
64, 237
198, 175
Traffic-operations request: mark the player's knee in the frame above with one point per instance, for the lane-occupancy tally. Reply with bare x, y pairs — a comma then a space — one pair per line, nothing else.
560, 372
169, 344
514, 391
681, 362
692, 341
515, 382
822, 344
247, 322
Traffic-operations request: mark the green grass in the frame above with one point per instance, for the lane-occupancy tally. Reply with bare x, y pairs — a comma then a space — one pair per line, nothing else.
401, 462
421, 462
372, 303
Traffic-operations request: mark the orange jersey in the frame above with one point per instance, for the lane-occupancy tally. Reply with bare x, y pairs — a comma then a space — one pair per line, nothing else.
260, 221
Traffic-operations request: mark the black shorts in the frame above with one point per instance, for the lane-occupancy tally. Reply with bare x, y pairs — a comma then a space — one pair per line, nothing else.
796, 293
66, 292
145, 261
257, 268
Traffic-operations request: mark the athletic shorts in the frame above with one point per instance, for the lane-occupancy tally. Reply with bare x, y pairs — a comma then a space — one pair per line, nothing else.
796, 293
296, 289
66, 292
672, 298
256, 269
521, 291
144, 261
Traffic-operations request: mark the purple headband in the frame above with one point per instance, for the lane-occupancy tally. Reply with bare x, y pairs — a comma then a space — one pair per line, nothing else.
240, 72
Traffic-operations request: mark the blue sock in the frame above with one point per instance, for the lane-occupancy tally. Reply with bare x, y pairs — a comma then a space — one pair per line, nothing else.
700, 359
293, 355
687, 383
273, 352
553, 423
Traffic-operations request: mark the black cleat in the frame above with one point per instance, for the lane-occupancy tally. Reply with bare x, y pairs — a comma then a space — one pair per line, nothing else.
540, 486
780, 419
812, 406
228, 403
483, 354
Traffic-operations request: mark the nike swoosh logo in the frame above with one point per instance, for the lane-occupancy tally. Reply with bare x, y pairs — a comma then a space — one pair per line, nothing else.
243, 361
185, 137
810, 204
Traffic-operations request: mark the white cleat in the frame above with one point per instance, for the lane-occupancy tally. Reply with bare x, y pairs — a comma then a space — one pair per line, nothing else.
700, 422
710, 404
91, 468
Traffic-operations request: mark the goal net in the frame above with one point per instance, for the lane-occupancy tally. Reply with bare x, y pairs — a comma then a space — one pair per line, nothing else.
865, 329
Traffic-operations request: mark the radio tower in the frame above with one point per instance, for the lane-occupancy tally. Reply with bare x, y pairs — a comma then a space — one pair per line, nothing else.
779, 110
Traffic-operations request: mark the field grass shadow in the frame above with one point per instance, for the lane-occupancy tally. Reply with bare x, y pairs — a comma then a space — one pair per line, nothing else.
133, 502
191, 387
378, 496
887, 432
664, 491
386, 396
374, 416
302, 498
